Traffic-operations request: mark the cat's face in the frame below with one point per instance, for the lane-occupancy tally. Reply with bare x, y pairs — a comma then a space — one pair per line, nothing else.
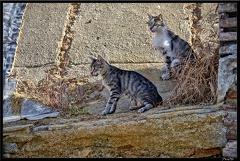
97, 66
155, 23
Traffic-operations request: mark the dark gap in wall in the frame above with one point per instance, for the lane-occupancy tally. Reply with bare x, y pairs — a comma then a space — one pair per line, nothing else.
235, 71
232, 14
227, 43
233, 29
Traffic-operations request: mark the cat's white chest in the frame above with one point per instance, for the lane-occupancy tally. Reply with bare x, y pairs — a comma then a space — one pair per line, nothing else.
161, 42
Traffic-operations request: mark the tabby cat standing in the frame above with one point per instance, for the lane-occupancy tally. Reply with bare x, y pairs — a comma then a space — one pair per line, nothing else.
140, 90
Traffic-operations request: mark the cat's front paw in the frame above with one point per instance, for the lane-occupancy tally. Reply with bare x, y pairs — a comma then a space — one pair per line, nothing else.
141, 110
166, 76
103, 112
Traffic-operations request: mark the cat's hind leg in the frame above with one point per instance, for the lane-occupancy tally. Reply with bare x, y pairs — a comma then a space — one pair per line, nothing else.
175, 62
166, 76
166, 68
135, 105
145, 108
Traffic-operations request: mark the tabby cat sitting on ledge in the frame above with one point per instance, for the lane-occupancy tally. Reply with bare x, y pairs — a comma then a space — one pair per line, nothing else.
174, 49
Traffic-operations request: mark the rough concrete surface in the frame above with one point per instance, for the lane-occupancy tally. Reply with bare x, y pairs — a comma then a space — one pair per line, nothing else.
119, 32
40, 38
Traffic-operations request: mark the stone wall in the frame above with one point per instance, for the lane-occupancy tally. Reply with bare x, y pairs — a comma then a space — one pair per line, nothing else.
227, 76
12, 21
117, 31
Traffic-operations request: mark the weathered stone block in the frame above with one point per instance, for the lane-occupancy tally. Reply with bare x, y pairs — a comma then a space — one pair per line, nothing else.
230, 149
36, 30
229, 107
228, 49
232, 115
6, 107
231, 153
231, 132
226, 76
228, 36
230, 101
230, 123
31, 108
6, 155
10, 148
231, 94
232, 144
227, 7
41, 37
10, 87
228, 22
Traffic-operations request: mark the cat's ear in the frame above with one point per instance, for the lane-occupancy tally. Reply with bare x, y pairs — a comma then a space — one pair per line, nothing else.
91, 58
149, 16
160, 17
100, 59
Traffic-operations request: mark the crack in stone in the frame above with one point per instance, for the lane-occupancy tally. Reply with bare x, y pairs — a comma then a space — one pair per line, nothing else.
63, 57
194, 16
38, 66
75, 64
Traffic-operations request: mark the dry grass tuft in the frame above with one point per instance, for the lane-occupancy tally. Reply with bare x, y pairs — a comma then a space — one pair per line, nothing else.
197, 82
57, 91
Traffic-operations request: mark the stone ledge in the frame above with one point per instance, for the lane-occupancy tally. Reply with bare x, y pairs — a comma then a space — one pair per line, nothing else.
151, 134
16, 129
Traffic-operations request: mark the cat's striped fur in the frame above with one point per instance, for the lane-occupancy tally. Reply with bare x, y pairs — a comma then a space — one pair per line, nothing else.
140, 90
174, 49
